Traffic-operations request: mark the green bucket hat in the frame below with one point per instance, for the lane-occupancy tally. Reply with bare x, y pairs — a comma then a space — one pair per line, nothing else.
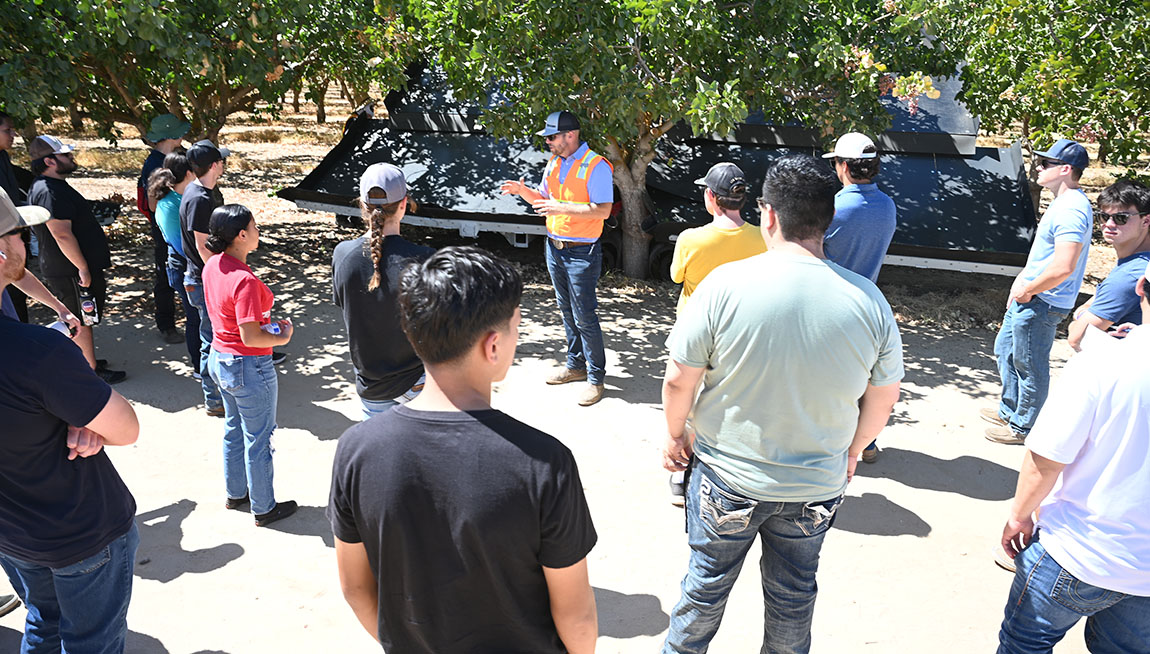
167, 126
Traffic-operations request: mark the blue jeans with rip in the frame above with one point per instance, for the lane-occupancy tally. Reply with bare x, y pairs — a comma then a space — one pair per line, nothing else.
250, 390
1046, 601
195, 293
1023, 351
721, 527
80, 608
575, 274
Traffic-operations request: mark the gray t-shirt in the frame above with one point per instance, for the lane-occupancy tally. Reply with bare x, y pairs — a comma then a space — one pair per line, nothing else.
789, 344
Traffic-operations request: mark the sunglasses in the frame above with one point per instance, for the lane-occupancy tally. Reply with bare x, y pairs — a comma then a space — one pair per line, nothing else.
1120, 218
19, 231
1043, 164
552, 137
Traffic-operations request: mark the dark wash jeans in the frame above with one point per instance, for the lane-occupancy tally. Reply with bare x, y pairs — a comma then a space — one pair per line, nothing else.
575, 274
721, 527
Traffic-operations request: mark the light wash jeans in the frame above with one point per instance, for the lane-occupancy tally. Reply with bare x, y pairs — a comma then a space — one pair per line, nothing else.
575, 274
1023, 351
372, 408
721, 527
80, 608
1046, 601
211, 391
250, 390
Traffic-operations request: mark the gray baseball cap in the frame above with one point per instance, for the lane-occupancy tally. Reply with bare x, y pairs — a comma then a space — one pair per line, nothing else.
385, 177
13, 217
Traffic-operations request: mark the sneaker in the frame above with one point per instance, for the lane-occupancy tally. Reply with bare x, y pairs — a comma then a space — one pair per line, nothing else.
236, 503
216, 411
566, 376
678, 489
101, 364
197, 376
991, 416
172, 336
870, 454
111, 376
278, 357
590, 395
280, 511
1005, 435
1001, 559
8, 604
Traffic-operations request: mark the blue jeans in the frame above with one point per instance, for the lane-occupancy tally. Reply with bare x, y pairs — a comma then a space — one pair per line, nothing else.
250, 390
80, 608
212, 398
372, 408
1023, 351
175, 270
721, 527
1046, 601
575, 274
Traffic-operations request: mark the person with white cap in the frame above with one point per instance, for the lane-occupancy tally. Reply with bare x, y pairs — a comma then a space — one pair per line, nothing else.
576, 196
865, 218
365, 284
165, 133
1086, 467
67, 522
1042, 294
196, 206
73, 249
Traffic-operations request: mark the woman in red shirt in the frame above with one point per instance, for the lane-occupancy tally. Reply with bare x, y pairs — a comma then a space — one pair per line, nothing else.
240, 362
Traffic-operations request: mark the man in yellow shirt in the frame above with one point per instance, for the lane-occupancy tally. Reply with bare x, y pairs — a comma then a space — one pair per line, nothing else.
726, 238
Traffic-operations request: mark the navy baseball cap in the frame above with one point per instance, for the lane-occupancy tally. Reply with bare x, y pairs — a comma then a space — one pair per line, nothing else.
560, 121
1067, 151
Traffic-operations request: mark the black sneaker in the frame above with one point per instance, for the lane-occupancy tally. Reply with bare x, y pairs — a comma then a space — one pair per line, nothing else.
236, 503
278, 357
280, 511
101, 364
8, 604
172, 336
111, 376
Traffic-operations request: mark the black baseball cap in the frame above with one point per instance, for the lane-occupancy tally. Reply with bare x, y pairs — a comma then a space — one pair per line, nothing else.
205, 153
559, 121
725, 179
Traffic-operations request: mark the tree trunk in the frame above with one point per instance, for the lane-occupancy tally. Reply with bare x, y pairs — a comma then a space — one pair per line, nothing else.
343, 92
319, 94
29, 131
295, 93
74, 116
1031, 169
636, 242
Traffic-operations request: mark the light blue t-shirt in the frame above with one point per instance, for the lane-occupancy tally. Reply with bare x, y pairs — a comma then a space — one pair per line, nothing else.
788, 344
168, 220
862, 229
1068, 219
1116, 299
599, 190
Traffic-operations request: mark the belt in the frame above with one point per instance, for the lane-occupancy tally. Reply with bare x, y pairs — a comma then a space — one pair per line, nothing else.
559, 245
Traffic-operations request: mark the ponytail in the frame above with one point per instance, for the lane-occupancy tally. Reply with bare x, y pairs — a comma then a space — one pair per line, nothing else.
225, 225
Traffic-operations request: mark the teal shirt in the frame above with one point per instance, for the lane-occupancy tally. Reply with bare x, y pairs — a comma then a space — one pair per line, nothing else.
168, 220
788, 344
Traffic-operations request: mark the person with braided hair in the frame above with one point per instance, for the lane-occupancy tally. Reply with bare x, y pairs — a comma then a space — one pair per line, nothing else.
365, 285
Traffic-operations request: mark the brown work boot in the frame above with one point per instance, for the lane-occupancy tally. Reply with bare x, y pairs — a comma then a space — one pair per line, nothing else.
566, 376
590, 395
991, 416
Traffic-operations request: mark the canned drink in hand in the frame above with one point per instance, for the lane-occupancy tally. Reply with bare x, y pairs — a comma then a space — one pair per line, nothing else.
89, 314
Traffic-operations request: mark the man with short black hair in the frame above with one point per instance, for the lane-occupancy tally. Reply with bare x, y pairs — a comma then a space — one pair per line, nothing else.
73, 249
67, 521
196, 206
459, 529
1124, 212
1085, 465
576, 196
165, 134
1042, 294
797, 375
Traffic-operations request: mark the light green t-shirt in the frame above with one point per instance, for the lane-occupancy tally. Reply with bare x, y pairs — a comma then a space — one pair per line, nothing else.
789, 344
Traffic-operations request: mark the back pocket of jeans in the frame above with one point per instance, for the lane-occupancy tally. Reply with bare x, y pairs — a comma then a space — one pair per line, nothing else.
818, 516
86, 566
1081, 597
229, 371
724, 513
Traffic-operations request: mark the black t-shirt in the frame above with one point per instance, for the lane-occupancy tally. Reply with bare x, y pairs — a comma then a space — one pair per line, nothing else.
66, 203
459, 513
385, 364
154, 160
8, 179
53, 511
196, 209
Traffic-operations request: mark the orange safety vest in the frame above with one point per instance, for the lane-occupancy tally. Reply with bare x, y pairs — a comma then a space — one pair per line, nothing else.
574, 190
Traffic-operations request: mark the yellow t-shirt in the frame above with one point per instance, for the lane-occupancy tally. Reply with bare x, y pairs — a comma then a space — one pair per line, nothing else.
700, 250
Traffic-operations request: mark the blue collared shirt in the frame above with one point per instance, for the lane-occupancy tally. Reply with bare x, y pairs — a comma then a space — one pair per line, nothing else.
598, 182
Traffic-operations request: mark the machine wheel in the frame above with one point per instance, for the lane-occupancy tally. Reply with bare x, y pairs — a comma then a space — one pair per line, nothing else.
659, 261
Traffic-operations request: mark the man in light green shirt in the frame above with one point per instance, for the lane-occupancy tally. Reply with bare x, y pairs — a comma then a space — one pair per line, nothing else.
800, 362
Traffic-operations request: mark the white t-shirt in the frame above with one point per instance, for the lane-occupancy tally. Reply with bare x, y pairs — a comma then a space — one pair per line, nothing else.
1096, 521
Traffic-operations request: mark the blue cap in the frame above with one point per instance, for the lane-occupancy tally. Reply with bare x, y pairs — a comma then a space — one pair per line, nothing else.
1067, 151
560, 121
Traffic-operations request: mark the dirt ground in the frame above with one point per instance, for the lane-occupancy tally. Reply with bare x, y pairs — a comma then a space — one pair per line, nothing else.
906, 568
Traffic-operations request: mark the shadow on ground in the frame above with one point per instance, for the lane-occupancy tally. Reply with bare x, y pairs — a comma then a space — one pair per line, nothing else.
162, 558
307, 521
967, 475
629, 616
875, 515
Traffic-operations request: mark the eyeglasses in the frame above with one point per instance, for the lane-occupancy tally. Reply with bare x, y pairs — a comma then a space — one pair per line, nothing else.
19, 231
1120, 218
551, 137
1043, 164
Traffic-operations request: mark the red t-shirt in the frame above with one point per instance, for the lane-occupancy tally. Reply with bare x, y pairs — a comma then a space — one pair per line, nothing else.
235, 296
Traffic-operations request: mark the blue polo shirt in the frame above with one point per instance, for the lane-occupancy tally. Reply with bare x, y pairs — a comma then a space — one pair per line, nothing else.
1116, 299
598, 182
862, 229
